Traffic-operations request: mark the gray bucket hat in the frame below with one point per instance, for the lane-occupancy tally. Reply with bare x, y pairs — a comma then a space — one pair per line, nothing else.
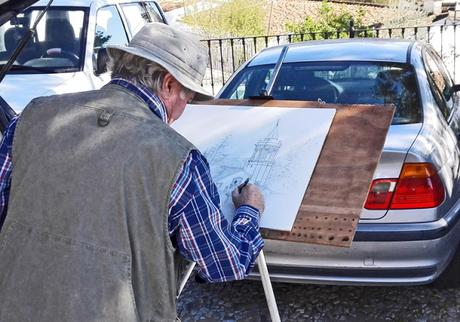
178, 52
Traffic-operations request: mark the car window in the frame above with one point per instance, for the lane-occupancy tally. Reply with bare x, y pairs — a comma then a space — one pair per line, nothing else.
109, 31
154, 12
249, 83
58, 45
331, 82
136, 16
109, 28
440, 82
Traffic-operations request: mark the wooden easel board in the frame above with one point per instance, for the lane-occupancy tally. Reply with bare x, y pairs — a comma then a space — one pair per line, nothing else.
338, 188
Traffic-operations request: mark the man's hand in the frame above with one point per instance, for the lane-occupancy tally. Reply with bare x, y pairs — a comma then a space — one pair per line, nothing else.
249, 195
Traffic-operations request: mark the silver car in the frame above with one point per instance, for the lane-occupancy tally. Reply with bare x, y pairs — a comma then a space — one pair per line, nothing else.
409, 229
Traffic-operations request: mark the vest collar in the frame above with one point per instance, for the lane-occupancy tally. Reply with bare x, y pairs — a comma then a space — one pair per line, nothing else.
146, 95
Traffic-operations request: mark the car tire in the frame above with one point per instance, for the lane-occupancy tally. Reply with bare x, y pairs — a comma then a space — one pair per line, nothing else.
450, 277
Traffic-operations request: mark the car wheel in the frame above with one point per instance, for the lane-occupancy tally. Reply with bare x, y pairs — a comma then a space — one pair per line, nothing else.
450, 278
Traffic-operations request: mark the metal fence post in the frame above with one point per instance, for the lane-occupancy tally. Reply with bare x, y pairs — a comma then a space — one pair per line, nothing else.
455, 54
210, 65
233, 54
221, 61
351, 29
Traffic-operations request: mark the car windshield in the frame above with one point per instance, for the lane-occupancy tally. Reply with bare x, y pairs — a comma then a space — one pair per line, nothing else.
335, 82
57, 45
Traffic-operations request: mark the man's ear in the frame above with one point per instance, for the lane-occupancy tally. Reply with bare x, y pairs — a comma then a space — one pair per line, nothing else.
167, 85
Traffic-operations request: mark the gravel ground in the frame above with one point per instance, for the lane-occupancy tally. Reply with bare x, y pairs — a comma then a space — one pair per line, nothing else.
245, 301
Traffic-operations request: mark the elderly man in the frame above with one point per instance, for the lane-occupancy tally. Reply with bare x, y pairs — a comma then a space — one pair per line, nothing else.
103, 195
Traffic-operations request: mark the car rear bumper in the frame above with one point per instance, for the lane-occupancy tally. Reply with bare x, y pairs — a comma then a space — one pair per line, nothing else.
332, 276
381, 254
365, 263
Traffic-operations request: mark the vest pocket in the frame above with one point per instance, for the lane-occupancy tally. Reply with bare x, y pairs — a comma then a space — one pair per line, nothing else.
48, 277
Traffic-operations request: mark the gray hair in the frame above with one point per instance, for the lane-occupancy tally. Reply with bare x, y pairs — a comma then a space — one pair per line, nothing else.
136, 69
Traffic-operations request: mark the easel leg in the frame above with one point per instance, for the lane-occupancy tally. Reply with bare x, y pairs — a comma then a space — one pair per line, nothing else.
266, 283
189, 271
268, 289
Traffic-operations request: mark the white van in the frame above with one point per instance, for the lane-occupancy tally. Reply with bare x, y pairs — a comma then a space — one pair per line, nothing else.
67, 53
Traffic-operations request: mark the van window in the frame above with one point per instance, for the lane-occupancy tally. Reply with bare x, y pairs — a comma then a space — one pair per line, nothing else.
154, 12
109, 31
135, 15
109, 28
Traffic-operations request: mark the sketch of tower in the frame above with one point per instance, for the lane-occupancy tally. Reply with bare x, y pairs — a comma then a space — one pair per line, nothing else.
214, 154
263, 157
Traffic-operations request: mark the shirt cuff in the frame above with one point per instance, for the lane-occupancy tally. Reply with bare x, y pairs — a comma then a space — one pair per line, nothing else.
247, 214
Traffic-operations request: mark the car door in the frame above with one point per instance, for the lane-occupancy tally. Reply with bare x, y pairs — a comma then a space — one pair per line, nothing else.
441, 85
115, 25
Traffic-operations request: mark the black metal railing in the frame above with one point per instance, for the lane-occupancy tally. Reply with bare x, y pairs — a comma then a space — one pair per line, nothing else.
227, 54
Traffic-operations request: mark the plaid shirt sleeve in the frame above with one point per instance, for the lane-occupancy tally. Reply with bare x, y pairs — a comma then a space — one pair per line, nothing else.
6, 167
222, 251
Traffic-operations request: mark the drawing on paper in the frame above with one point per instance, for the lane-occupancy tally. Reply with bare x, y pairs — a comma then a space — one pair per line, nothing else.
258, 167
264, 157
271, 146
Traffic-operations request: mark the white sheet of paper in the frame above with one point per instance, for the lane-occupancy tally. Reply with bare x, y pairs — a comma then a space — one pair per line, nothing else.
277, 148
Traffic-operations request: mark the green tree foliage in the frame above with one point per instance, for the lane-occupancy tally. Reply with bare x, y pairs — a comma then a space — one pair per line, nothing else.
233, 18
100, 40
327, 23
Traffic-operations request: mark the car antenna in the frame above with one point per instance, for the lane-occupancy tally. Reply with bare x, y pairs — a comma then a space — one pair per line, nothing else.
267, 92
23, 42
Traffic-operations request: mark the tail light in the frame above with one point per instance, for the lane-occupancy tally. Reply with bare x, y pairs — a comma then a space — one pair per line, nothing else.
418, 186
380, 194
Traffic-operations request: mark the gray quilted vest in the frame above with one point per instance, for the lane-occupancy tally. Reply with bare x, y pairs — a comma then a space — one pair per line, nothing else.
86, 234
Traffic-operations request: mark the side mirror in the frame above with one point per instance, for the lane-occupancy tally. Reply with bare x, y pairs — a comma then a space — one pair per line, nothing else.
101, 61
456, 88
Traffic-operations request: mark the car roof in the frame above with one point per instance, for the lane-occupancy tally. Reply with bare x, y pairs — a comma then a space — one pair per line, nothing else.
356, 49
81, 3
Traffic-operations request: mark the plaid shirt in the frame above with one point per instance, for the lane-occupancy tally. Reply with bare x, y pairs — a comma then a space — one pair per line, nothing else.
222, 251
